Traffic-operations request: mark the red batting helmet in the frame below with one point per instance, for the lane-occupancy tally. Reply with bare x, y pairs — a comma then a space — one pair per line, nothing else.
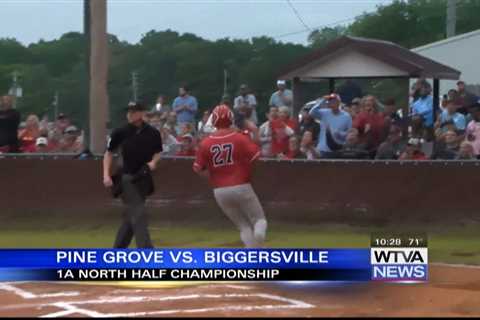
222, 116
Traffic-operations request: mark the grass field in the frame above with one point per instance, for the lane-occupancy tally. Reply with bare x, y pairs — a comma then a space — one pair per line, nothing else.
455, 244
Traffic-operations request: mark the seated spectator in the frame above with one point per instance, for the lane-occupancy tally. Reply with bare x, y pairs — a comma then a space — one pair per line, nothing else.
156, 120
448, 148
42, 145
370, 123
309, 124
450, 114
472, 134
170, 143
57, 130
28, 136
308, 147
353, 147
201, 126
265, 133
413, 150
334, 123
465, 99
71, 141
282, 129
393, 146
293, 151
186, 145
466, 152
171, 124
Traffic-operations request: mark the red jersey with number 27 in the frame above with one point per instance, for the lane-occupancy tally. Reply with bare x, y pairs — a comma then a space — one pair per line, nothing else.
228, 156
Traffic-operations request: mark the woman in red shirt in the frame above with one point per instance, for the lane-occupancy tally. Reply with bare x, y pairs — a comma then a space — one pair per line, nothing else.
370, 123
282, 129
28, 136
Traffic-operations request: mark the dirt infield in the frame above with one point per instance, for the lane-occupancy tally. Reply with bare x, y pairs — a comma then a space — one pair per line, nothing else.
451, 291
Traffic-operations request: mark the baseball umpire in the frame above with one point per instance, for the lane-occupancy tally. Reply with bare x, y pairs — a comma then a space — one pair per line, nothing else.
140, 146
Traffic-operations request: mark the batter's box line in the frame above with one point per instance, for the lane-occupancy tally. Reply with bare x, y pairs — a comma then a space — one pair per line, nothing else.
71, 307
30, 295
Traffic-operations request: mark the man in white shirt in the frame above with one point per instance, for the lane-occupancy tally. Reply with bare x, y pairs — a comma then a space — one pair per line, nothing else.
247, 102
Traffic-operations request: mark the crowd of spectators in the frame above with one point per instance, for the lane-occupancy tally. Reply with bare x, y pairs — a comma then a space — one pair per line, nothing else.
35, 135
338, 125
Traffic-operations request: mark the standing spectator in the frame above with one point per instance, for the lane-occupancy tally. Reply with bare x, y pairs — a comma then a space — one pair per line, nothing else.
185, 106
282, 129
415, 92
56, 134
473, 129
171, 124
337, 122
423, 106
282, 97
465, 99
393, 146
413, 150
450, 114
309, 124
161, 107
354, 108
307, 146
28, 136
466, 151
265, 133
370, 123
246, 101
9, 123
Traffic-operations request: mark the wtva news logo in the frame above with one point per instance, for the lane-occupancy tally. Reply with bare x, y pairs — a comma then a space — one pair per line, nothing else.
399, 264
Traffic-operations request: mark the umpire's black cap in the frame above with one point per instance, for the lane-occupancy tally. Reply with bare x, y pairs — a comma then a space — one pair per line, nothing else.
135, 106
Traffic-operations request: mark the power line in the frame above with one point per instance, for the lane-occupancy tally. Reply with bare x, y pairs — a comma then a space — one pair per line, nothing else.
317, 27
299, 17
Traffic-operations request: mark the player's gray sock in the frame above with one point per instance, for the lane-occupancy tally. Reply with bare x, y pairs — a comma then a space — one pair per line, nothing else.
260, 231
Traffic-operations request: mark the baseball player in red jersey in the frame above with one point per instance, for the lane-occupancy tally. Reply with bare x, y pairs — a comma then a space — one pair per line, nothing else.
226, 157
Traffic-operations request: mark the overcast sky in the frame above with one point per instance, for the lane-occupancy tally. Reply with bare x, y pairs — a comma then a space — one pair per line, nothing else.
31, 20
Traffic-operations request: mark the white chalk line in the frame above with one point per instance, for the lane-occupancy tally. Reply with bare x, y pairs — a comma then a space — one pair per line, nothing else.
30, 295
71, 306
453, 265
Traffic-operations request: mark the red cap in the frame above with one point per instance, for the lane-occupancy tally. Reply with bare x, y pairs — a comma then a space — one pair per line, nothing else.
222, 116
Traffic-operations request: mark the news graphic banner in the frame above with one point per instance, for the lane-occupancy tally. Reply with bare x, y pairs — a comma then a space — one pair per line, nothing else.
385, 263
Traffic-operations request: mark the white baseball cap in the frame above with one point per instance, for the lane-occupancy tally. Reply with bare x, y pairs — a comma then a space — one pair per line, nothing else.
41, 141
281, 82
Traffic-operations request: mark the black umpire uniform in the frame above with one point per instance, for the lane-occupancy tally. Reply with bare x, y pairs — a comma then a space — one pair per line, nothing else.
133, 182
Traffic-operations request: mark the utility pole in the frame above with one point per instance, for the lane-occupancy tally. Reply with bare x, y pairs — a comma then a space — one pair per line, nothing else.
451, 17
225, 81
135, 85
55, 105
15, 90
99, 104
86, 36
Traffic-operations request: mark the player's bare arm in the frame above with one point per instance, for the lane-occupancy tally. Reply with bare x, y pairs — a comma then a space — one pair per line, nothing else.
107, 169
153, 163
